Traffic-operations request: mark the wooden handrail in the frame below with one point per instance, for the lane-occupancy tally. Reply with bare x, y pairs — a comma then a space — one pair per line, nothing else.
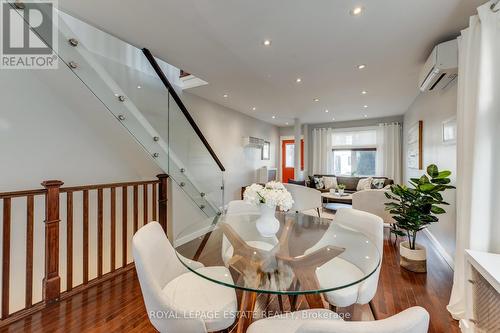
181, 106
154, 200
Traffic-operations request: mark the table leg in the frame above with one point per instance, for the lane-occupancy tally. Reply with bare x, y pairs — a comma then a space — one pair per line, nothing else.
247, 307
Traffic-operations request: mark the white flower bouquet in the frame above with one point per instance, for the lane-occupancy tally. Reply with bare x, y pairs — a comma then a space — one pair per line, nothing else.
273, 194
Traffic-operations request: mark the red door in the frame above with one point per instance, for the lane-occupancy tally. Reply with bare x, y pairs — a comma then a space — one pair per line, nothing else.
287, 159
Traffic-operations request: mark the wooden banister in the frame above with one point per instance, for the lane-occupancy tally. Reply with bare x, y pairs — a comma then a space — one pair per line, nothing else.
162, 201
52, 280
96, 210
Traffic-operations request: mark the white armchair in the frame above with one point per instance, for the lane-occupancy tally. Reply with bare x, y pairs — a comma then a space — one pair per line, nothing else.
372, 201
305, 198
412, 320
338, 269
171, 291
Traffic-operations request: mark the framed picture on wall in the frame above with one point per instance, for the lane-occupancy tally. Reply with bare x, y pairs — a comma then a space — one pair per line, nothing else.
414, 159
450, 131
266, 151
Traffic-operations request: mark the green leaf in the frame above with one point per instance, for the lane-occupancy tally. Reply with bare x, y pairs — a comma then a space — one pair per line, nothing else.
437, 210
441, 181
426, 187
443, 174
424, 180
433, 171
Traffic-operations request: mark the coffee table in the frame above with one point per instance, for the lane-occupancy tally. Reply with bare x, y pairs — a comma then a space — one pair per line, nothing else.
334, 201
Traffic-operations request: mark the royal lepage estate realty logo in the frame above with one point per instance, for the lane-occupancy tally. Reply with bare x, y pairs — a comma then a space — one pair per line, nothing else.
28, 39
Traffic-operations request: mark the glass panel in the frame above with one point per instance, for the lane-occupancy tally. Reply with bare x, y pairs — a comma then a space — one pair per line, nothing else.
365, 162
121, 77
289, 155
331, 245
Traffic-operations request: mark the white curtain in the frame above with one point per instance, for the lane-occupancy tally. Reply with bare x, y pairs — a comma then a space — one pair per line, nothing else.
322, 148
478, 146
389, 151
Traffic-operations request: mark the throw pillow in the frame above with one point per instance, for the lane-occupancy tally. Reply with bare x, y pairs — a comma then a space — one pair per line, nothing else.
297, 182
318, 183
378, 183
330, 182
364, 184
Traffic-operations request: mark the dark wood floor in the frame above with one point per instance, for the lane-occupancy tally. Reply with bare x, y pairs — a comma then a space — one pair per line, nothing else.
117, 305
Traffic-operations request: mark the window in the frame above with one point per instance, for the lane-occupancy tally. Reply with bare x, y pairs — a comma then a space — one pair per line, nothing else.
354, 152
354, 162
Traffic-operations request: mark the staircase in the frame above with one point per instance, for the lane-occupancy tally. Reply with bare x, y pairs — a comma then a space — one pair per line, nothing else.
143, 94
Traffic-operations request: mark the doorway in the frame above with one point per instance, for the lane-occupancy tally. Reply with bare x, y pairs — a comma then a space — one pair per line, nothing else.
287, 159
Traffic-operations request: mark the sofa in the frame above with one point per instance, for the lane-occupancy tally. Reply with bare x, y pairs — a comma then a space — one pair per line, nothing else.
351, 183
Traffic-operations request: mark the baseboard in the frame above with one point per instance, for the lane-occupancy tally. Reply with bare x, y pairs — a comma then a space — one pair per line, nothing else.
440, 249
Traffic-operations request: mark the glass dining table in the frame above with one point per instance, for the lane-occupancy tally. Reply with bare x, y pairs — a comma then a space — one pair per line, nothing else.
285, 264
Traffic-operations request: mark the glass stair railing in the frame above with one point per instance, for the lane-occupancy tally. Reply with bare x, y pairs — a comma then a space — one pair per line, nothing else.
134, 87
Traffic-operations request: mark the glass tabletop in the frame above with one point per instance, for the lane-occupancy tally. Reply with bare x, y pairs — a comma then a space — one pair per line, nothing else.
305, 250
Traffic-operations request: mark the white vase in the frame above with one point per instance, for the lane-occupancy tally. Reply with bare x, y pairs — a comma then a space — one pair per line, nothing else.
341, 191
267, 224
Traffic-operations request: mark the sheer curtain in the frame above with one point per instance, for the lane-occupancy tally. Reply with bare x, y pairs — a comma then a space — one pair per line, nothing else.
389, 151
478, 154
322, 148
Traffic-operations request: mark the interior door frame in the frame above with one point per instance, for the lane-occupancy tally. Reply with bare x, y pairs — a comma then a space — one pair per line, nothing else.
284, 138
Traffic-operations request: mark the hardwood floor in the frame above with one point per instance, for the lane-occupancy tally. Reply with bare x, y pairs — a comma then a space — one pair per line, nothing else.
117, 305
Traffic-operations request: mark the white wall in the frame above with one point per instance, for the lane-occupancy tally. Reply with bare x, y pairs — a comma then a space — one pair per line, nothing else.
433, 108
52, 127
224, 129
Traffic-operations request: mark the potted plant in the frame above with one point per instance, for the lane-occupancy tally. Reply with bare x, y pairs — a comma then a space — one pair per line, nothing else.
341, 188
414, 208
268, 197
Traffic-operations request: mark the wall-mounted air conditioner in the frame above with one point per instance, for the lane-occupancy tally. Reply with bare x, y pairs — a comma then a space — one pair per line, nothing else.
441, 68
251, 142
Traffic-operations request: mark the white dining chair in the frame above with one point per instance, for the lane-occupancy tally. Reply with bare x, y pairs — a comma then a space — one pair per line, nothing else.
172, 293
412, 320
304, 198
339, 271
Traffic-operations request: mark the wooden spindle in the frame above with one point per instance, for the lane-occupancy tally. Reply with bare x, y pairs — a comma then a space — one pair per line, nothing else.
52, 280
99, 232
85, 236
162, 201
154, 201
113, 228
124, 225
6, 257
29, 251
69, 240
136, 208
145, 203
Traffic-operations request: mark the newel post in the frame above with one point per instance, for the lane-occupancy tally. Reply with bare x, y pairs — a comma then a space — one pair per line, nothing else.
162, 201
52, 280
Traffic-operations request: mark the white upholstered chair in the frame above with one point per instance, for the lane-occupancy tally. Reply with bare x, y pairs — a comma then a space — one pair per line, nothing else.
412, 320
372, 201
304, 198
241, 207
339, 271
171, 290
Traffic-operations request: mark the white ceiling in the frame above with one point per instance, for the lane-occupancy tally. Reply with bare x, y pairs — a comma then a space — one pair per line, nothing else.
318, 41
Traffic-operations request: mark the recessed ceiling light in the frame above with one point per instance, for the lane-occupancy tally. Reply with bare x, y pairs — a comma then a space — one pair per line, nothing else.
361, 66
365, 106
298, 80
366, 116
139, 87
225, 95
316, 99
116, 95
364, 92
267, 42
333, 119
327, 111
357, 10
286, 123
274, 117
254, 108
